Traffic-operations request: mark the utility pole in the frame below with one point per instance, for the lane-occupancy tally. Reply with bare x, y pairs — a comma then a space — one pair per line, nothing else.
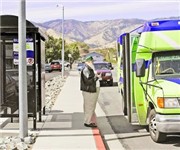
62, 52
23, 117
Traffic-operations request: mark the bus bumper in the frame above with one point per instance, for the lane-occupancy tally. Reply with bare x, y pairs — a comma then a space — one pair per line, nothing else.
168, 123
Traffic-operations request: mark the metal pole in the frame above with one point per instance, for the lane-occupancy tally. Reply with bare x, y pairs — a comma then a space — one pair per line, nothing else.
23, 117
179, 10
62, 52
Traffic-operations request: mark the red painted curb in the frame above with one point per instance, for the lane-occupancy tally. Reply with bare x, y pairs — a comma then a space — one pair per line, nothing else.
97, 137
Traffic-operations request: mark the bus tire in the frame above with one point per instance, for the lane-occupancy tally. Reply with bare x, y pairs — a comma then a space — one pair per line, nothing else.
156, 136
146, 128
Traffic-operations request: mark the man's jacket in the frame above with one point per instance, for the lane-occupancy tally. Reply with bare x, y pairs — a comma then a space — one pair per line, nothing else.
88, 80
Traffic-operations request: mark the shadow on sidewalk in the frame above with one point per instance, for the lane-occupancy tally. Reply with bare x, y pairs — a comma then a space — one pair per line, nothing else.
65, 121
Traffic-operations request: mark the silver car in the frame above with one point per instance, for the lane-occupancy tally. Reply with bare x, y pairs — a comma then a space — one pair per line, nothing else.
48, 68
80, 66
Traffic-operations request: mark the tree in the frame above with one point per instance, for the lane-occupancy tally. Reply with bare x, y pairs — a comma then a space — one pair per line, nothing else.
53, 48
73, 49
108, 54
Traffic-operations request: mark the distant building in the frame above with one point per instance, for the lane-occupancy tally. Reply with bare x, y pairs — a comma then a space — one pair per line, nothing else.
96, 56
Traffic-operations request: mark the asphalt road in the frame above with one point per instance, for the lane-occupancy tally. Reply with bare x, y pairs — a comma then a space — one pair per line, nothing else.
131, 136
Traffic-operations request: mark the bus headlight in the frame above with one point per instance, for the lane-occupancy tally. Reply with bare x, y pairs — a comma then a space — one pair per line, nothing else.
171, 103
168, 102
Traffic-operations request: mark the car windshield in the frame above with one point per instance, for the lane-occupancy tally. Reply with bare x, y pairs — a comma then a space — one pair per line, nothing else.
54, 63
167, 64
101, 66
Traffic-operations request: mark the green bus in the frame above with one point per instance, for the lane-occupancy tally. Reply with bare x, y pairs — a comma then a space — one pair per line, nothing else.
149, 76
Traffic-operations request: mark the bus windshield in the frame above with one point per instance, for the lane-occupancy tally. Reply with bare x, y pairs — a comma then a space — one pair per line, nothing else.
167, 64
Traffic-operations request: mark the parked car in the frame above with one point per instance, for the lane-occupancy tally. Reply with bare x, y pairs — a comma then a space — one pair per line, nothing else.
56, 65
48, 68
80, 66
66, 64
14, 73
106, 74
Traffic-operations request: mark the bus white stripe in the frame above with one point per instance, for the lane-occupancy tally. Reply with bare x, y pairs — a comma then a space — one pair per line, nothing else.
168, 40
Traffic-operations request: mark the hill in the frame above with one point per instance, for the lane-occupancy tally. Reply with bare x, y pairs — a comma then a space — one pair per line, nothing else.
97, 34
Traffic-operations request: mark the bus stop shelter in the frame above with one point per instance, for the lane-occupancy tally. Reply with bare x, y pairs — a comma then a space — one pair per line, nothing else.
35, 50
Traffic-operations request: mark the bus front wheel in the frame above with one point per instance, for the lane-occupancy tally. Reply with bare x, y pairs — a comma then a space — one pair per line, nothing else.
156, 136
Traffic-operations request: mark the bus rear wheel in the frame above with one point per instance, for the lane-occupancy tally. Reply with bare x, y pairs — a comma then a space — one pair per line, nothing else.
156, 136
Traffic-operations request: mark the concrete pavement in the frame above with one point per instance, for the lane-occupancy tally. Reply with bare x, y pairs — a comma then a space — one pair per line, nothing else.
63, 128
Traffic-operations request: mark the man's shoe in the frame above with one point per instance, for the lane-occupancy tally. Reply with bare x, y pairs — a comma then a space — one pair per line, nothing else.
92, 125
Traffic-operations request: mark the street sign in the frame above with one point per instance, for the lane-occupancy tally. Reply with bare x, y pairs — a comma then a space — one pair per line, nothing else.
29, 51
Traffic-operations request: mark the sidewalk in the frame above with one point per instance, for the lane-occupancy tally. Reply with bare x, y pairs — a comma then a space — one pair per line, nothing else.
63, 127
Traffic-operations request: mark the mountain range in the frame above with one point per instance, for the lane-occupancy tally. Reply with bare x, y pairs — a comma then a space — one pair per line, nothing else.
97, 34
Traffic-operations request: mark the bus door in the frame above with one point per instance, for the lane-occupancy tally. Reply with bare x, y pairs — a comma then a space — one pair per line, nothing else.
128, 77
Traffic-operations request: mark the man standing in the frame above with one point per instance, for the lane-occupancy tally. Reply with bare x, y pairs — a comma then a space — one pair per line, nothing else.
90, 87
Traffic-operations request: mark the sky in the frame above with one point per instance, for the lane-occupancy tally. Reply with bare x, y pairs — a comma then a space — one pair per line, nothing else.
92, 10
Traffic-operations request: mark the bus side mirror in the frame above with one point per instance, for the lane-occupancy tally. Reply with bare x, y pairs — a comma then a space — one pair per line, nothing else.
140, 68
